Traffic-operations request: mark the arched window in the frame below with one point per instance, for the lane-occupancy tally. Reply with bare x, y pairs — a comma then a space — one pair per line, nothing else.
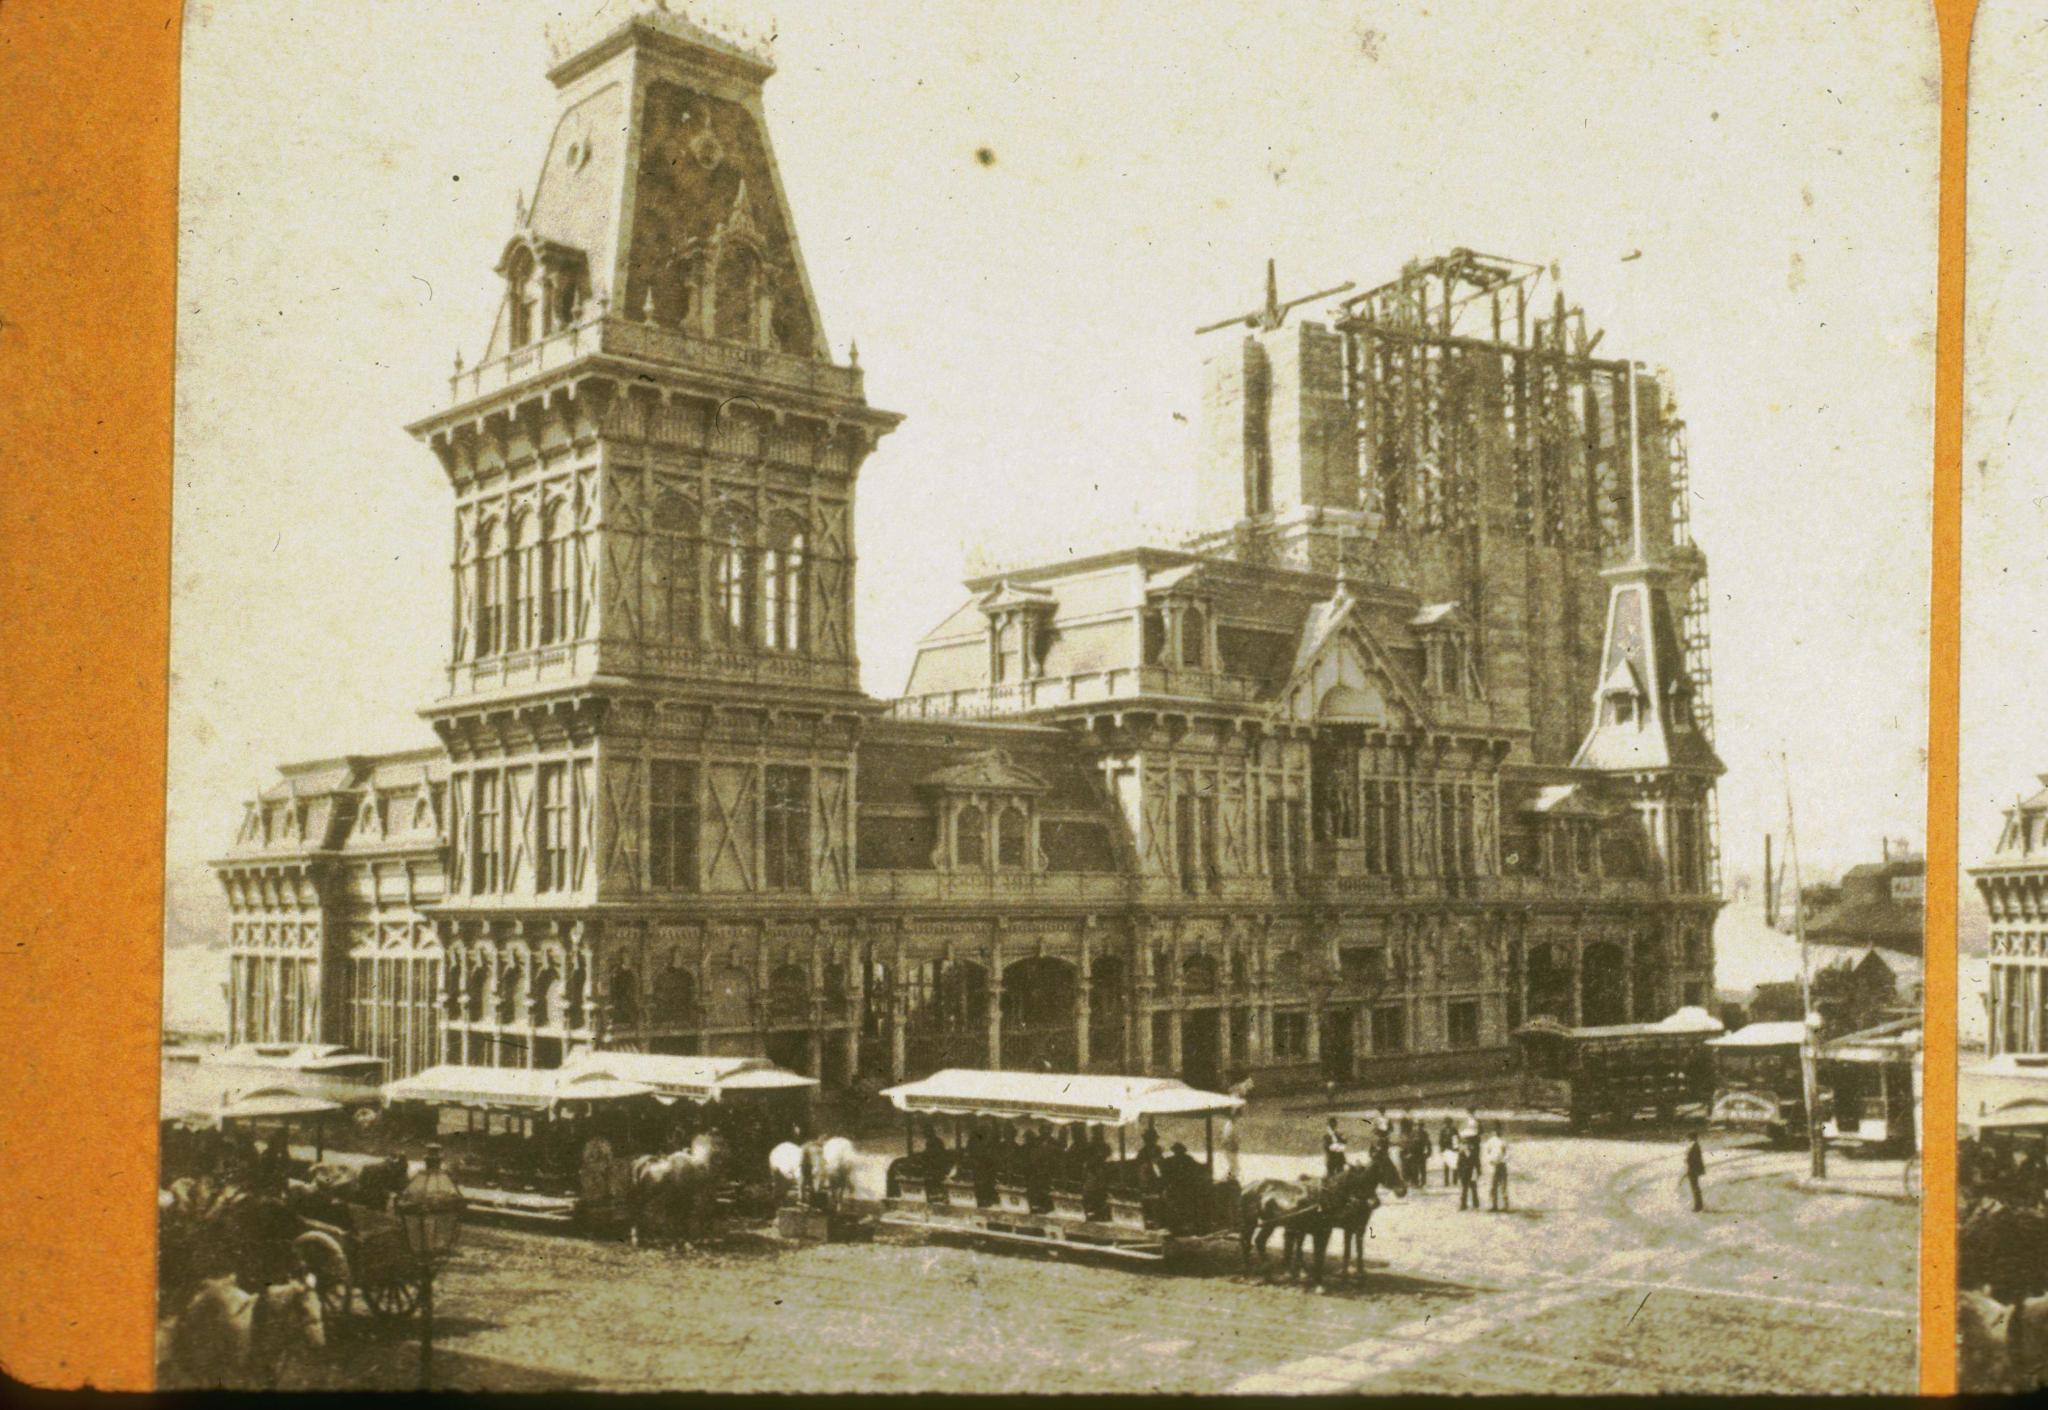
625, 998
738, 289
1012, 837
674, 561
489, 606
786, 584
520, 556
557, 578
970, 831
733, 580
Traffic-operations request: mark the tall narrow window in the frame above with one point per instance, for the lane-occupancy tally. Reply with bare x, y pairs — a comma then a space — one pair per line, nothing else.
489, 608
672, 825
733, 574
554, 828
487, 850
520, 298
520, 554
1276, 837
786, 828
970, 833
1194, 637
1205, 813
786, 584
674, 565
557, 586
1186, 840
1012, 837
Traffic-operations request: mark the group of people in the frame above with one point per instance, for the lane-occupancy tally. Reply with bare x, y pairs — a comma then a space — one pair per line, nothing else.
1995, 1170
1461, 1153
1043, 1156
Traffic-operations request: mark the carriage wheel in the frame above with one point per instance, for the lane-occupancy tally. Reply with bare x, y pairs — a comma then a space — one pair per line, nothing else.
392, 1300
324, 1259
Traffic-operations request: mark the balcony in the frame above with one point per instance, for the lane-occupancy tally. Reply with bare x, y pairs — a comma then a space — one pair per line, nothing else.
1090, 687
968, 887
600, 332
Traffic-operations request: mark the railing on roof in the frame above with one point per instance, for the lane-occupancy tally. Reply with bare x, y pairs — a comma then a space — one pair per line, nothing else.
1087, 687
991, 886
600, 331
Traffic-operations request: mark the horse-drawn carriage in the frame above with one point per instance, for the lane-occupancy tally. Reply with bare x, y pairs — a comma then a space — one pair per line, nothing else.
1065, 1193
559, 1145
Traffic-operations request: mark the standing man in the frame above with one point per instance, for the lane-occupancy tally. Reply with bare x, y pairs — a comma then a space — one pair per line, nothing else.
1333, 1149
1468, 1172
1497, 1168
1447, 1150
1229, 1147
1695, 1170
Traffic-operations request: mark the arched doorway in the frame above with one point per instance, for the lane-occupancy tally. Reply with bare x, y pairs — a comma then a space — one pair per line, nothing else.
1038, 1015
1550, 984
946, 1024
1106, 1005
1201, 1036
1603, 996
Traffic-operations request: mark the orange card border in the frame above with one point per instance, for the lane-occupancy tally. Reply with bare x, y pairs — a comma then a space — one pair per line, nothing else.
87, 306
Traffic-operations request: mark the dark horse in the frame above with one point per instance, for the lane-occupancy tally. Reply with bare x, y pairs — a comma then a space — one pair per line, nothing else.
1307, 1211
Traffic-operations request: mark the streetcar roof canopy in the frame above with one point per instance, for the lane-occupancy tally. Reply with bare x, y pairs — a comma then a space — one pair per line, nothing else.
1778, 1033
274, 1103
1687, 1022
508, 1088
2030, 1114
1095, 1100
298, 1057
691, 1078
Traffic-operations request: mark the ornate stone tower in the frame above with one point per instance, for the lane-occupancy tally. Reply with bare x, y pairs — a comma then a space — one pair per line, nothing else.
652, 690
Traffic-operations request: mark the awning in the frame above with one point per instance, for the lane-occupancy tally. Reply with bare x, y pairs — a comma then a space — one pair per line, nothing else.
766, 1079
2015, 1116
1054, 1096
275, 1103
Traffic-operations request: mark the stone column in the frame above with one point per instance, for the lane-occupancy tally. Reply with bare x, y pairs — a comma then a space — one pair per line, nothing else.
1628, 981
856, 1007
1173, 1038
1141, 997
1082, 998
1315, 1030
899, 1008
1225, 1060
995, 1003
1578, 959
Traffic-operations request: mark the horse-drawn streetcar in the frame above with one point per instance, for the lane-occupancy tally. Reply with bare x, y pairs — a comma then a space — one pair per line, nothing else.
1617, 1071
1030, 1161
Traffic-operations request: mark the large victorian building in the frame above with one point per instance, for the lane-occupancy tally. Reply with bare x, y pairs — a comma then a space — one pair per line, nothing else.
2014, 884
1412, 747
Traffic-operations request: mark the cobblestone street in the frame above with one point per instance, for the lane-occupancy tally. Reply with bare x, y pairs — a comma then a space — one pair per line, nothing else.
1601, 1280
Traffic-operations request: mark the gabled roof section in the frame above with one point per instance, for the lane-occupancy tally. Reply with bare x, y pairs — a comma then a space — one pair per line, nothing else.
990, 771
1341, 673
1642, 662
1006, 596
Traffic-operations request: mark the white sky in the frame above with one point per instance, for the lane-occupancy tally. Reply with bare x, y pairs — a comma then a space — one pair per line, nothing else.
349, 169
2005, 494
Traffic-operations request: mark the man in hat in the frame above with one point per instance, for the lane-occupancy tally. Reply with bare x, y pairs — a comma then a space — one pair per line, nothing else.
1333, 1149
1695, 1171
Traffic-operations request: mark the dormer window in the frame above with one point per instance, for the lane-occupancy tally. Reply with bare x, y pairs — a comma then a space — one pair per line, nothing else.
543, 288
1194, 638
519, 290
970, 838
1621, 709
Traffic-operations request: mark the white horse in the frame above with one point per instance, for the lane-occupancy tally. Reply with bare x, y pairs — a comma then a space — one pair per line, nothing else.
816, 1169
681, 1187
2004, 1348
229, 1338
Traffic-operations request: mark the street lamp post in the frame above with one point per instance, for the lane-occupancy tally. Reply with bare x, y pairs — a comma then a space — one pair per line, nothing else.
431, 1211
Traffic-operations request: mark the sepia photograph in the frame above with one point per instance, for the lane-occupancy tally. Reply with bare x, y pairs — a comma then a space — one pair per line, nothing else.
1131, 698
2002, 944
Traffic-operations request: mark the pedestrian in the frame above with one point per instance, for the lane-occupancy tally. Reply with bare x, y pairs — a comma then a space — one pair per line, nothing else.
1496, 1154
1470, 1130
1333, 1149
1447, 1146
1417, 1156
1230, 1148
1468, 1172
1695, 1170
